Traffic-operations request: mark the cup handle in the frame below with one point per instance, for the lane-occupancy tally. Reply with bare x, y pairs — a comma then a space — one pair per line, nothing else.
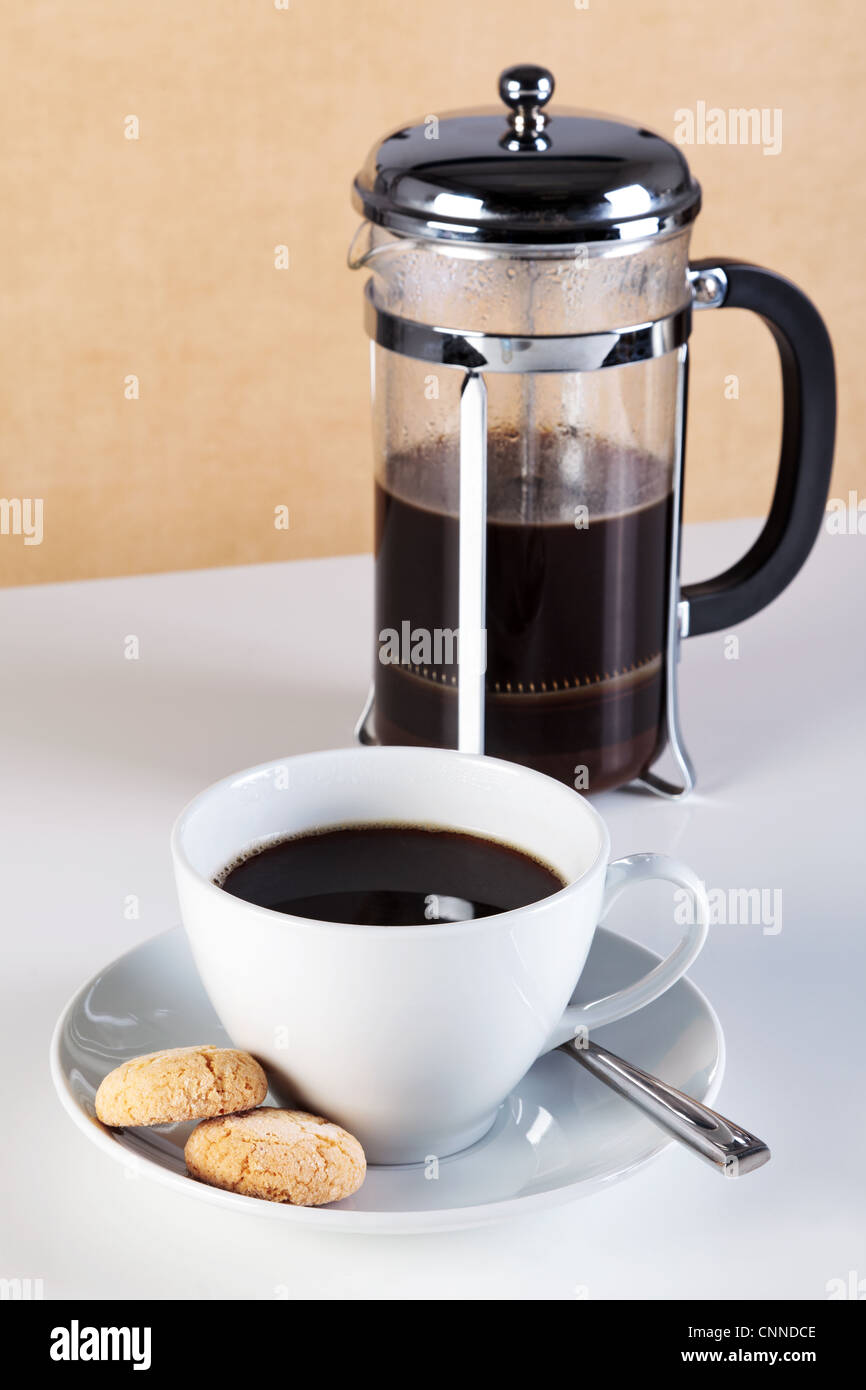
637, 868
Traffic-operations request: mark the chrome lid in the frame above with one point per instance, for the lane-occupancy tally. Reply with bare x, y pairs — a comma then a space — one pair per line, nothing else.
523, 174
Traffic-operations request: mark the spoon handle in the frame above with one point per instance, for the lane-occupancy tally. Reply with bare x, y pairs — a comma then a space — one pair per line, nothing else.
730, 1149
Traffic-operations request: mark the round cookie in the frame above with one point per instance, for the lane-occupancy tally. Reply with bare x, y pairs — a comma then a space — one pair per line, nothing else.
281, 1155
183, 1083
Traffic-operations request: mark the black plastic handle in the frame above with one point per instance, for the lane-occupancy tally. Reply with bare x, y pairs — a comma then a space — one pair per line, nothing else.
808, 432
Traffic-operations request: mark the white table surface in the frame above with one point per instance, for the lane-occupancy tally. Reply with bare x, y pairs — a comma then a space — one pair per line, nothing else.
238, 665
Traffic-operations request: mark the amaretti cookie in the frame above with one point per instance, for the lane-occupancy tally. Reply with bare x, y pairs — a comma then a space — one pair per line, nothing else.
281, 1155
183, 1083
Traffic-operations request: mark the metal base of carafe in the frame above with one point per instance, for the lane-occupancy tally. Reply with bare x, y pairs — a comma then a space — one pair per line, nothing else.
675, 746
365, 734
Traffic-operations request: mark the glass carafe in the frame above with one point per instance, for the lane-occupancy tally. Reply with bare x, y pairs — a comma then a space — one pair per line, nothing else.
529, 304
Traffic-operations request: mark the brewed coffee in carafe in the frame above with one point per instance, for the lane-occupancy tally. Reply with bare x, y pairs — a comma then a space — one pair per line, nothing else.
529, 303
576, 605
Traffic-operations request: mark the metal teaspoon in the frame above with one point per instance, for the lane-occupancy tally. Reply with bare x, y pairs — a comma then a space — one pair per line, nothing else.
731, 1150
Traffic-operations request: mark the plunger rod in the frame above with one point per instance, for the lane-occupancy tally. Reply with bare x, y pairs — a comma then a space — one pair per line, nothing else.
472, 578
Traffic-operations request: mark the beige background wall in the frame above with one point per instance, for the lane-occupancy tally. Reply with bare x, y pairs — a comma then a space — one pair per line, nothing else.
155, 257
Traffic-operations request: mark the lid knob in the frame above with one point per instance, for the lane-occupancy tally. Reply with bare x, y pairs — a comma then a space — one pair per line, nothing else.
526, 88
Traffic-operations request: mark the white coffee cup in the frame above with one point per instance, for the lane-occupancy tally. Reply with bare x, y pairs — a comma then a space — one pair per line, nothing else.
410, 1037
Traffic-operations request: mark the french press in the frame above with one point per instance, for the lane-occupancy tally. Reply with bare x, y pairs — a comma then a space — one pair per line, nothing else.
529, 305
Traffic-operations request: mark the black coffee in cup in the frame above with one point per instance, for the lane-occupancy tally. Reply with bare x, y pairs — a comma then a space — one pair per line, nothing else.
389, 876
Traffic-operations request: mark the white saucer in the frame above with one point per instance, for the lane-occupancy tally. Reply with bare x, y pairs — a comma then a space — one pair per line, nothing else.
560, 1135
